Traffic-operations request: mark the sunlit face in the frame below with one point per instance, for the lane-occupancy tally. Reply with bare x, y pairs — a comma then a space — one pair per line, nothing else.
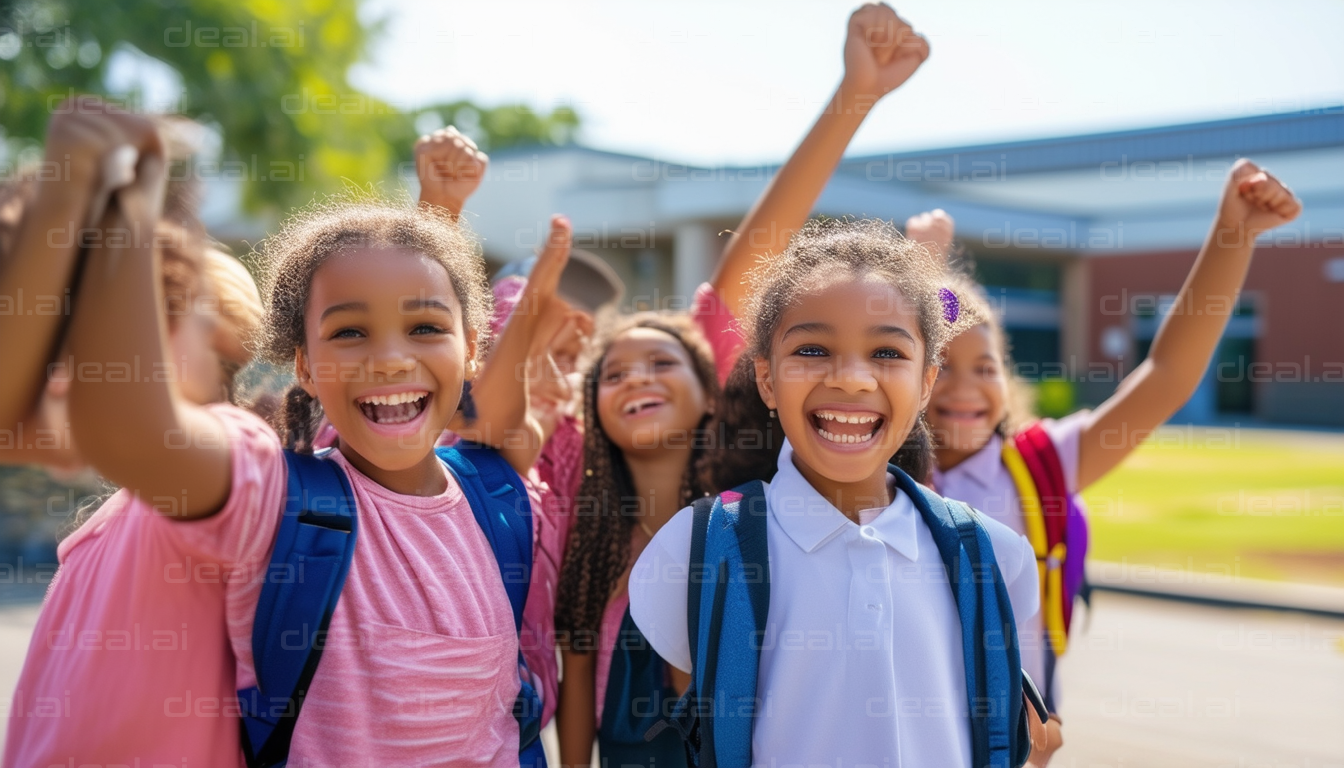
846, 374
648, 395
386, 354
971, 395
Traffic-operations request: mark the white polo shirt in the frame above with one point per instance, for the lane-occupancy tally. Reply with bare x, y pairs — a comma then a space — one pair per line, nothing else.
861, 663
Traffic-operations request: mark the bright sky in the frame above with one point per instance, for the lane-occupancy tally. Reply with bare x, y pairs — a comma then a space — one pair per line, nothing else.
729, 81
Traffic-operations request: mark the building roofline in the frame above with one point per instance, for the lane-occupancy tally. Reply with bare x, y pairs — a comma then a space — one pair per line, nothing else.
1257, 134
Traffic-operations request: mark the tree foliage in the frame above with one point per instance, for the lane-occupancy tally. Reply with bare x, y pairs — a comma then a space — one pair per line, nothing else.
269, 75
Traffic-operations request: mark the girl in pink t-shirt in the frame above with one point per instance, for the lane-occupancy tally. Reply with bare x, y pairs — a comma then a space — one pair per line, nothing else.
382, 310
117, 672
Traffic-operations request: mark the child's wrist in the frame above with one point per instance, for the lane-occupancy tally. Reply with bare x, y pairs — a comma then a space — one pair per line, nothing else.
449, 204
853, 101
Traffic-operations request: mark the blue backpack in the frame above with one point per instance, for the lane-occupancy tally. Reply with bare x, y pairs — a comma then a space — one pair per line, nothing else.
316, 539
728, 599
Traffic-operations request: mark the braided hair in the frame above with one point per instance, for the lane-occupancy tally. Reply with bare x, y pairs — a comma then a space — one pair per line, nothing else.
606, 507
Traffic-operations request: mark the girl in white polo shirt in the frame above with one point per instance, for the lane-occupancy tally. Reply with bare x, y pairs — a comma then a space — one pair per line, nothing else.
862, 659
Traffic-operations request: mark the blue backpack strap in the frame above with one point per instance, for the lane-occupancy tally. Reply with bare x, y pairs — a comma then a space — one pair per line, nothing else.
500, 504
686, 713
988, 633
314, 545
728, 602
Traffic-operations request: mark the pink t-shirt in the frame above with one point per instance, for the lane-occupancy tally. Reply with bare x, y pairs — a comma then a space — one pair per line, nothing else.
720, 327
130, 661
419, 667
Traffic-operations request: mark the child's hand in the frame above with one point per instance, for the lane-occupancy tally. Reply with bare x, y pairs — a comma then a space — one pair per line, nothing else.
450, 168
1255, 201
84, 131
544, 279
933, 230
1046, 739
881, 51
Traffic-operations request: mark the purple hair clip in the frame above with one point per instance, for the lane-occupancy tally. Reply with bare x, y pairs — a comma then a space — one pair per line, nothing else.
951, 306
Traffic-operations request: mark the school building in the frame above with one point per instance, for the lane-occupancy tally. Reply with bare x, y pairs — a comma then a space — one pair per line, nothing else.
1082, 241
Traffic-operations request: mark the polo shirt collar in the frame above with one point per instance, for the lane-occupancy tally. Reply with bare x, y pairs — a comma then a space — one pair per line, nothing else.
983, 468
812, 521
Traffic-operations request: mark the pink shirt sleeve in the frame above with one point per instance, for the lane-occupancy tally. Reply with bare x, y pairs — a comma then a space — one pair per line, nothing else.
720, 327
243, 531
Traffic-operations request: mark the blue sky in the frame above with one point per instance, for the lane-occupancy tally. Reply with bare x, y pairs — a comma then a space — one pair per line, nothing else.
739, 81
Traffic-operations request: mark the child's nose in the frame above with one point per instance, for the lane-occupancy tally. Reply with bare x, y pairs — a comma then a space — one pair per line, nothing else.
639, 373
852, 374
391, 358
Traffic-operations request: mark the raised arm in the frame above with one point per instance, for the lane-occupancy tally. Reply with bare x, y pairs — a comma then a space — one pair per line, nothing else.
81, 137
1253, 202
881, 53
127, 415
501, 390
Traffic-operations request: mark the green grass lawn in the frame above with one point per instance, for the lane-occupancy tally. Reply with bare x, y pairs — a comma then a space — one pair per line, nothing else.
1255, 503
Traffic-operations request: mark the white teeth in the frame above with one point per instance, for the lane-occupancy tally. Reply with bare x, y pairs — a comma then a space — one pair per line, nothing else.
635, 405
834, 438
847, 418
393, 399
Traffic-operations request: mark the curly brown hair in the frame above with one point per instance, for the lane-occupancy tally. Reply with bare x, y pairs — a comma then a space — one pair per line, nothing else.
293, 255
829, 247
599, 543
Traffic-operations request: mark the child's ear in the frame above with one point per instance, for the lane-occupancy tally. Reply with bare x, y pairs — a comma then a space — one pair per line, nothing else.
930, 378
765, 383
302, 373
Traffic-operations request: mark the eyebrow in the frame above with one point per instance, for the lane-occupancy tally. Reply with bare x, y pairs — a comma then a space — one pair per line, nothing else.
890, 330
876, 330
409, 305
807, 328
348, 306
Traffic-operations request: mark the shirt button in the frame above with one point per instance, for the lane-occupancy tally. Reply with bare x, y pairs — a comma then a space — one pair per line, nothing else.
872, 607
868, 531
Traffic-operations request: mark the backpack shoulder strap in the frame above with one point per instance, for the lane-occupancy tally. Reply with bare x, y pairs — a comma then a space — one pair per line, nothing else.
727, 603
701, 509
1047, 474
499, 502
314, 545
988, 633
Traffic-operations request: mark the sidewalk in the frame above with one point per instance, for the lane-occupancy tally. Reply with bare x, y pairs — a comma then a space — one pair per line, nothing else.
1215, 589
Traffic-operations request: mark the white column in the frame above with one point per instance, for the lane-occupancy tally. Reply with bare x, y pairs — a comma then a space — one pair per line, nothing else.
693, 255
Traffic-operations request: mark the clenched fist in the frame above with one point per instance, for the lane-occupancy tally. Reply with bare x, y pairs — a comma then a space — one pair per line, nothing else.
881, 52
450, 168
1255, 201
933, 230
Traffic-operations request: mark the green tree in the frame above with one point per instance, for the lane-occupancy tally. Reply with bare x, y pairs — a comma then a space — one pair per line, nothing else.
270, 75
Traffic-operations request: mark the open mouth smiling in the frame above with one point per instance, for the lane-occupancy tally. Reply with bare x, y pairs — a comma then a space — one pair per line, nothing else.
847, 427
641, 405
396, 408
